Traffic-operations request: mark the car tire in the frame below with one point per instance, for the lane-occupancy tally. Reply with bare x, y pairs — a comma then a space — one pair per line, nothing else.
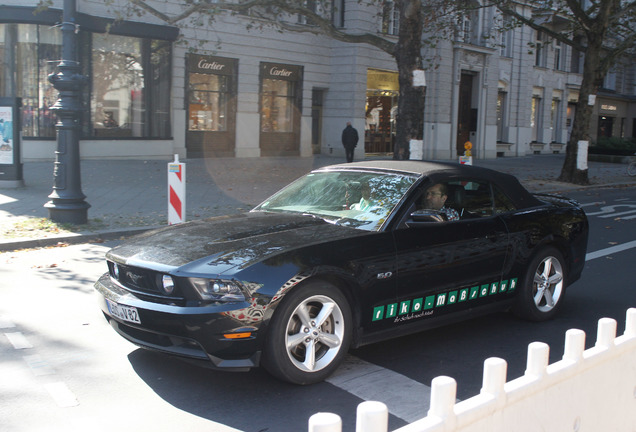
301, 350
543, 286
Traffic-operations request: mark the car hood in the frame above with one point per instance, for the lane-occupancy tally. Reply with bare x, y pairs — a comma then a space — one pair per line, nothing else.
222, 243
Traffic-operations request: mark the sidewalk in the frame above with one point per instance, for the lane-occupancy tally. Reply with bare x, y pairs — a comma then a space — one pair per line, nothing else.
129, 196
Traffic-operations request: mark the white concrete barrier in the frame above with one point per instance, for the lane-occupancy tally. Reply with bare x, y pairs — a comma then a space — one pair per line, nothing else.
586, 391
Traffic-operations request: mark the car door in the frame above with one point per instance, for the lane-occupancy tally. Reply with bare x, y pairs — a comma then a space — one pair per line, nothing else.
451, 266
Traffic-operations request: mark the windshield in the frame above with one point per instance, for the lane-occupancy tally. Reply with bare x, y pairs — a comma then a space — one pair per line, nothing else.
358, 199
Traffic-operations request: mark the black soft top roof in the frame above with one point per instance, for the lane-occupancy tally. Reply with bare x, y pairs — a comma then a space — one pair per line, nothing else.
509, 184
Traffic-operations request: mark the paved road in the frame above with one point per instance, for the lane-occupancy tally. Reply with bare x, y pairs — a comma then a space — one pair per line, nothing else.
59, 358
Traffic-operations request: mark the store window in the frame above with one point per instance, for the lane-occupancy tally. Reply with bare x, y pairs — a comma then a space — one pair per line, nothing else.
280, 109
26, 52
208, 102
211, 103
555, 120
278, 97
501, 115
536, 114
129, 90
380, 111
130, 87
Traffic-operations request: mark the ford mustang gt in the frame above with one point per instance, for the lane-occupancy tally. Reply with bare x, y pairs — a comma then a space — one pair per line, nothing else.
347, 255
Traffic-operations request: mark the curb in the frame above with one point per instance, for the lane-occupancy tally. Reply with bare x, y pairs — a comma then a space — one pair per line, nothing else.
72, 238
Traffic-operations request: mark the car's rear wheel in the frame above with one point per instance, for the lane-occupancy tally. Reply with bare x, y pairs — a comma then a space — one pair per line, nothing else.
543, 287
309, 334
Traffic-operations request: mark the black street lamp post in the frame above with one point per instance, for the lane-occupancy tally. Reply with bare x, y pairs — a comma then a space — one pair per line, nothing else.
67, 203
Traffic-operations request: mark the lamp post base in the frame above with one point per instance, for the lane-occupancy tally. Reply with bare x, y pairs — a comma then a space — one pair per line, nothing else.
72, 213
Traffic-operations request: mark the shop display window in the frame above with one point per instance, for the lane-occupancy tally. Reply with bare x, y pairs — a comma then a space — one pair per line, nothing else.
129, 81
277, 105
208, 98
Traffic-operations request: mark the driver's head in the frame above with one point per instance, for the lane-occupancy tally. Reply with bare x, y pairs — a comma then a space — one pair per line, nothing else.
365, 189
436, 196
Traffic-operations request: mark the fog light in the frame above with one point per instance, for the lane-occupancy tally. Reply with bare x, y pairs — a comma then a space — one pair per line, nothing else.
244, 335
116, 270
167, 284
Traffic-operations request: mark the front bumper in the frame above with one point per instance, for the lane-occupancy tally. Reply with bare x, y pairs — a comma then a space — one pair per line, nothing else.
197, 333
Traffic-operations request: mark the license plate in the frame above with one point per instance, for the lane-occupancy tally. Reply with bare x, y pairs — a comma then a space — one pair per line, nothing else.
126, 313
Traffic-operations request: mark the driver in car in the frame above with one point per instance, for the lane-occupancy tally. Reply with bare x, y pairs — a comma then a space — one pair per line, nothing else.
366, 202
436, 197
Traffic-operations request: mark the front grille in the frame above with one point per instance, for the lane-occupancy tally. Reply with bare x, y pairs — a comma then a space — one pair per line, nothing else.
144, 283
138, 279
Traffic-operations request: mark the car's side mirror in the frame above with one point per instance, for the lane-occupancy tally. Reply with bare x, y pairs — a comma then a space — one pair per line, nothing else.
426, 216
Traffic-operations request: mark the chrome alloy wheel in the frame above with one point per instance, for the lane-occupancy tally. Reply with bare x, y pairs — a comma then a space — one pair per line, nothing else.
314, 333
548, 284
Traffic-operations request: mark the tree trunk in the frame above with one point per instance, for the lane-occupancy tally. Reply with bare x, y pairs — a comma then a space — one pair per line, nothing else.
594, 70
408, 55
571, 172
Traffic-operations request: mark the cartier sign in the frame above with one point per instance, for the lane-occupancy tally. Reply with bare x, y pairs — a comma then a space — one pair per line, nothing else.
274, 71
211, 64
203, 64
281, 71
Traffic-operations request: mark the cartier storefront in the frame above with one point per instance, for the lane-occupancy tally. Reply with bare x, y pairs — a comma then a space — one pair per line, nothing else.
280, 109
211, 106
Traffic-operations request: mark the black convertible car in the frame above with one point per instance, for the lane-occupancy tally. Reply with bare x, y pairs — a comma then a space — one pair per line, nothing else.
344, 256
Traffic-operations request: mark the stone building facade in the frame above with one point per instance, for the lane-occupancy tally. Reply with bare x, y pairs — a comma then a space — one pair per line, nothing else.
226, 90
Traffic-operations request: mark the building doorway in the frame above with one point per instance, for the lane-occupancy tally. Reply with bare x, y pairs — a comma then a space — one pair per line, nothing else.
317, 98
380, 111
467, 115
605, 126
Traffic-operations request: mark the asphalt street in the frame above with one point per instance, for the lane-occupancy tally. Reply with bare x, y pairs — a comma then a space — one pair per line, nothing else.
61, 360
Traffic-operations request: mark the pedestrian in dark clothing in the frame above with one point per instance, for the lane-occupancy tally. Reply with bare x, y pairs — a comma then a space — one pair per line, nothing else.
349, 140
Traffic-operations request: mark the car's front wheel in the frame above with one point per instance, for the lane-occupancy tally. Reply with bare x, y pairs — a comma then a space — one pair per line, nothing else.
543, 287
309, 334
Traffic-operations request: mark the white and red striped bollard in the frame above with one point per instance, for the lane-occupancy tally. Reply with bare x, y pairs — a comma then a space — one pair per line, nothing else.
176, 191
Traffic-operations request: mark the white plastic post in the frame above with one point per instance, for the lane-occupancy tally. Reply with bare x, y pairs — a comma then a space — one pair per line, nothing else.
606, 333
495, 371
574, 345
538, 359
325, 422
372, 416
176, 191
443, 394
630, 322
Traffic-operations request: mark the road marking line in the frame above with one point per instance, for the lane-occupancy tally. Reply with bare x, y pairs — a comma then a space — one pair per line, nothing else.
18, 340
592, 203
6, 322
62, 395
38, 365
617, 214
370, 383
610, 250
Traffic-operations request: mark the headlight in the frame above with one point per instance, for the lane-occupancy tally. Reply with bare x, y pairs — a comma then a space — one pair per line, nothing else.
167, 284
217, 289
